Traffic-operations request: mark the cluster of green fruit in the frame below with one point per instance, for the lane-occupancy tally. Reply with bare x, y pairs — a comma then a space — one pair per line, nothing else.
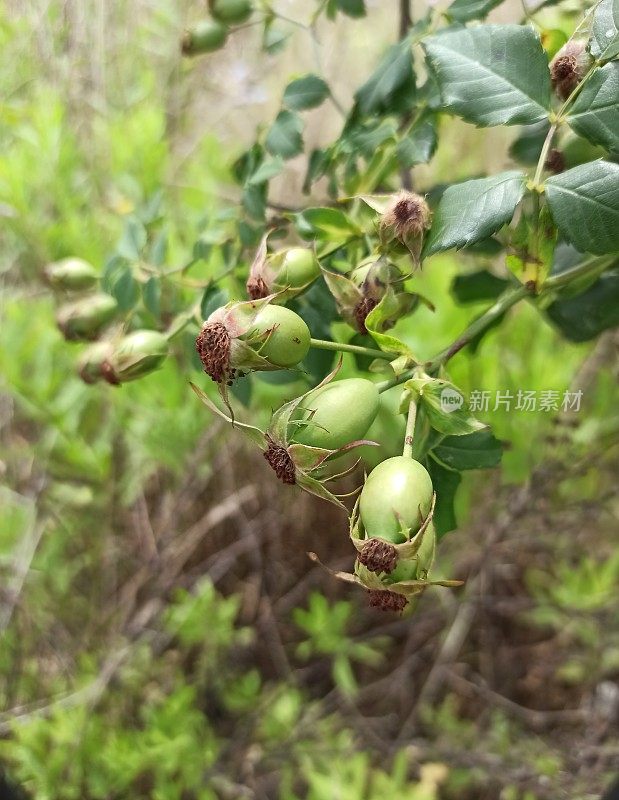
118, 357
391, 525
211, 34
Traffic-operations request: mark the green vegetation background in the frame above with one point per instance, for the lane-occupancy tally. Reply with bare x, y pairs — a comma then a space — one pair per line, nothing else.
162, 632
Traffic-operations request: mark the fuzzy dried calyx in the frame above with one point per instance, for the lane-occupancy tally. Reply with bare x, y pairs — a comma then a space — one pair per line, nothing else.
257, 288
406, 218
386, 600
213, 346
361, 311
555, 161
568, 68
378, 555
280, 461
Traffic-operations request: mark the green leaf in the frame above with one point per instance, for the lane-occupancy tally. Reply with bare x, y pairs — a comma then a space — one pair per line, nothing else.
151, 295
445, 405
473, 210
307, 92
392, 78
479, 450
604, 43
584, 317
125, 289
595, 113
212, 299
274, 38
584, 203
466, 10
419, 146
267, 170
133, 240
492, 74
284, 137
527, 147
325, 223
445, 482
476, 286
353, 8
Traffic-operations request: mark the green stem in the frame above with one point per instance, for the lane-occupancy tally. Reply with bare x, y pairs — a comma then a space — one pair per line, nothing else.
508, 299
321, 344
544, 154
410, 429
181, 322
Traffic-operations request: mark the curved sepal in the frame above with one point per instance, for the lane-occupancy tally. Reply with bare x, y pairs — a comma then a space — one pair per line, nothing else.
255, 434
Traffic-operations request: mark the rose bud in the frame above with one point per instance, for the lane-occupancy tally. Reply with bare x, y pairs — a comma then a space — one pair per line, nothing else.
205, 37
295, 444
90, 365
135, 355
85, 318
251, 335
568, 67
285, 273
406, 219
72, 274
230, 12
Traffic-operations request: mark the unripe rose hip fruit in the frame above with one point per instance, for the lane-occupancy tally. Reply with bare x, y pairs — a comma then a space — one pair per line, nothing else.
338, 413
299, 268
204, 37
230, 12
135, 355
72, 274
397, 492
85, 318
289, 340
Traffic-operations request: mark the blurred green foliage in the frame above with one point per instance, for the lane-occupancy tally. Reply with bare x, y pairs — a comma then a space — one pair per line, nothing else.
78, 177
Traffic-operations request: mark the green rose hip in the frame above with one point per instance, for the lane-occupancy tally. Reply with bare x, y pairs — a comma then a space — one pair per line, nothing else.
288, 337
205, 37
397, 493
242, 337
136, 355
230, 12
338, 413
85, 318
71, 274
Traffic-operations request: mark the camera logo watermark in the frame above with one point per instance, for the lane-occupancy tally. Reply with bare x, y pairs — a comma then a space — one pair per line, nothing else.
451, 400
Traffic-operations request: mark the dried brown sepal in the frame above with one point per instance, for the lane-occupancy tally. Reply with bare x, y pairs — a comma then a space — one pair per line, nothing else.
257, 288
386, 600
213, 346
555, 162
107, 371
378, 556
280, 461
567, 68
361, 311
